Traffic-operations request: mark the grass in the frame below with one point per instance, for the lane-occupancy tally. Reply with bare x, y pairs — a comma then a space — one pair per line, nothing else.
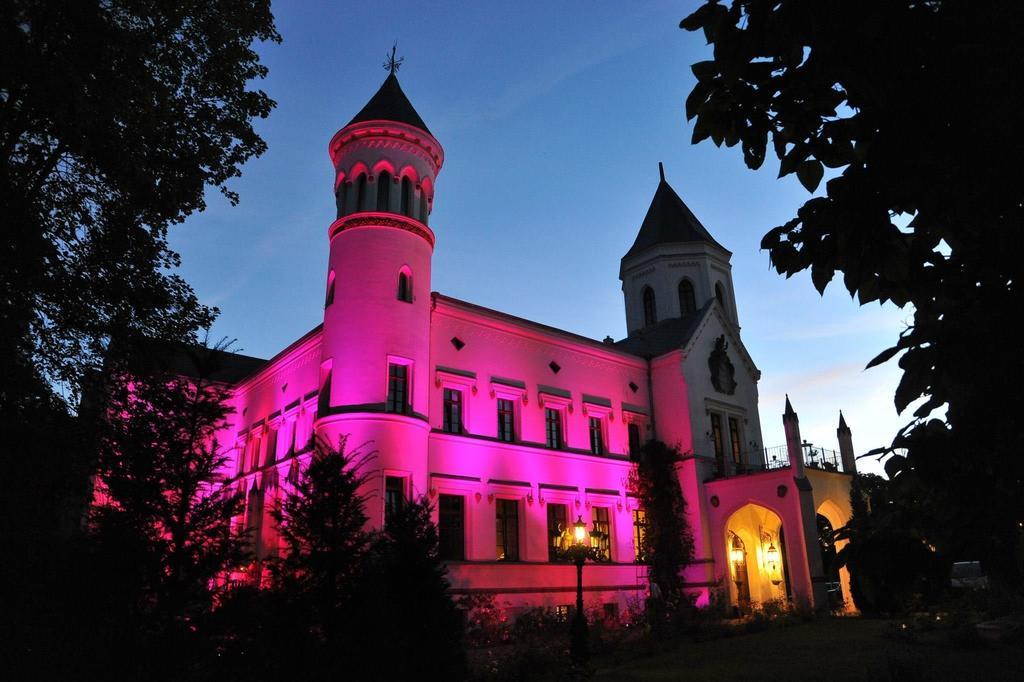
833, 649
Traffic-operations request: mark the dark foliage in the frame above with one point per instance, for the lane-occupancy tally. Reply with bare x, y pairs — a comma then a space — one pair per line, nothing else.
891, 565
668, 540
913, 103
345, 603
114, 117
405, 604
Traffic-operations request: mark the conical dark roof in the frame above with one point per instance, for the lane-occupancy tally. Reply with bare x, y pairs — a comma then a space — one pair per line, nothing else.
390, 104
669, 220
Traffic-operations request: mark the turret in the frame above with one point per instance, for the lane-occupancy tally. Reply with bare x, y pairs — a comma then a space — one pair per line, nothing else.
845, 437
376, 332
675, 267
794, 446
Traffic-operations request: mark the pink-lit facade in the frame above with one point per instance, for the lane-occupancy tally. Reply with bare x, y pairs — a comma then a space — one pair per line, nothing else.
509, 426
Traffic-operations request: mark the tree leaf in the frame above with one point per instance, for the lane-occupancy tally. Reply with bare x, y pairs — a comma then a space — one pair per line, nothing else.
809, 173
884, 356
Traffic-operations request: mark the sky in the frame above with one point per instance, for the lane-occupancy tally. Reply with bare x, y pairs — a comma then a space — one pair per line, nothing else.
553, 118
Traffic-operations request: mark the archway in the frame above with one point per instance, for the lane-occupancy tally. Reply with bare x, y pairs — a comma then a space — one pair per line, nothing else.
756, 556
830, 519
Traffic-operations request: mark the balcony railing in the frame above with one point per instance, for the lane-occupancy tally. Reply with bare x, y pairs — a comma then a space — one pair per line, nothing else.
777, 457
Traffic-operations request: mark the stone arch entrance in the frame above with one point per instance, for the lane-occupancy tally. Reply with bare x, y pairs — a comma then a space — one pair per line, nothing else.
755, 551
830, 519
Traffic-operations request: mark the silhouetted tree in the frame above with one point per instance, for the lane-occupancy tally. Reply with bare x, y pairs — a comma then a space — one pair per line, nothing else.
322, 523
114, 118
405, 604
914, 103
888, 556
667, 546
159, 524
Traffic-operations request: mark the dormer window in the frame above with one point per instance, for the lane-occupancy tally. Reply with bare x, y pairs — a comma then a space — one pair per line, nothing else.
650, 314
687, 299
383, 190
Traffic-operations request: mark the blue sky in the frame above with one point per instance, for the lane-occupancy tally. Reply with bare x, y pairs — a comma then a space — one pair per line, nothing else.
553, 117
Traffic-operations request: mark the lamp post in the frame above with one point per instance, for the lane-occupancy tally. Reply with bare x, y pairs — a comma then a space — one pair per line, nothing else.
576, 546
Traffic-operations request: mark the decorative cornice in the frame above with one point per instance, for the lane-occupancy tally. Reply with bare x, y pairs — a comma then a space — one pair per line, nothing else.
422, 141
393, 220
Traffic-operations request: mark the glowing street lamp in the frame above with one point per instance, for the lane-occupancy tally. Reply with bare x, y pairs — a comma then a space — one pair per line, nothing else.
577, 546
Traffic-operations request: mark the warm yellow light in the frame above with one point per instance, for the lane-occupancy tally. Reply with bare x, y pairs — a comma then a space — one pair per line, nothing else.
737, 553
773, 564
580, 531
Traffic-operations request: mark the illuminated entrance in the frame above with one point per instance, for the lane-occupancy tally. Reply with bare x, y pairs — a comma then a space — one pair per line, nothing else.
755, 547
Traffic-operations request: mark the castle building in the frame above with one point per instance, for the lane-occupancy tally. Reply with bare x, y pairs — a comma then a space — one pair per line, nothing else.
514, 429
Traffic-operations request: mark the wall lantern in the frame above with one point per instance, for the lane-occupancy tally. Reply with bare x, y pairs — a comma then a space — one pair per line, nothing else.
737, 554
773, 564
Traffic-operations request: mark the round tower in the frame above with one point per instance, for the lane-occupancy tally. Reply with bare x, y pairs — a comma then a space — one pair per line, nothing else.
376, 333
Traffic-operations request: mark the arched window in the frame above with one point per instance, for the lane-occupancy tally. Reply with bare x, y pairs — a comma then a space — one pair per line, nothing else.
361, 192
383, 190
720, 294
329, 298
406, 196
339, 198
423, 206
687, 299
404, 287
650, 314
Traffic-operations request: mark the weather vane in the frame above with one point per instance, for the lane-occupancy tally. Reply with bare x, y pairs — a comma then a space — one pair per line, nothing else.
392, 64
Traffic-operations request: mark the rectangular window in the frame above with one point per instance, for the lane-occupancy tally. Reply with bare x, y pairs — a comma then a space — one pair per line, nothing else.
563, 612
394, 496
734, 440
634, 438
507, 522
639, 535
557, 523
506, 420
451, 527
271, 456
254, 454
398, 388
716, 438
553, 424
603, 526
596, 436
452, 411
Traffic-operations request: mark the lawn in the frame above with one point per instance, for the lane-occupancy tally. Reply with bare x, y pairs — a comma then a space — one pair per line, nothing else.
828, 649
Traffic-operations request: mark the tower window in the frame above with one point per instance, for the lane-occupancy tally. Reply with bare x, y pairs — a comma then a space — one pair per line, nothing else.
687, 299
452, 410
398, 388
339, 198
735, 440
650, 313
506, 420
361, 192
329, 298
406, 196
404, 287
423, 206
383, 190
720, 294
394, 497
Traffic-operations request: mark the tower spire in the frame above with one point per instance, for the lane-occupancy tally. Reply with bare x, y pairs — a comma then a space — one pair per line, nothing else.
661, 170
